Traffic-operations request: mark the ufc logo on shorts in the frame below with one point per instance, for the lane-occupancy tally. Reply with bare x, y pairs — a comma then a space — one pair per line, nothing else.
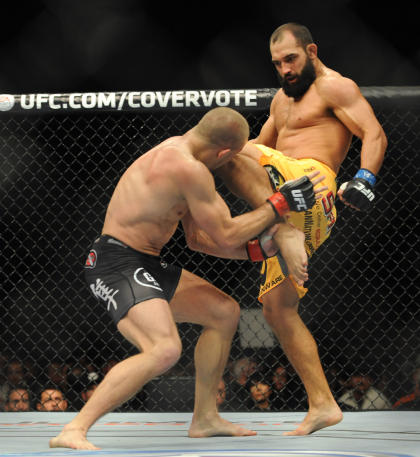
300, 201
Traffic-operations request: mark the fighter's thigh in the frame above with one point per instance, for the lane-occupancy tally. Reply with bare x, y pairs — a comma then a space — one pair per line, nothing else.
280, 300
199, 302
147, 323
246, 178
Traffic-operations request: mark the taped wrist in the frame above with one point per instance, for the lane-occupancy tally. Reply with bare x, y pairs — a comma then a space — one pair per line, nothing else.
279, 204
255, 251
367, 175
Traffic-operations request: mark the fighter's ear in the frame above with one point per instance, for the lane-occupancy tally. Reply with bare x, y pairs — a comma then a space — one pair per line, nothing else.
312, 50
223, 152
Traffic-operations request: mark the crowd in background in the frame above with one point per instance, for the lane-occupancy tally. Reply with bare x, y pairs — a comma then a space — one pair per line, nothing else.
246, 386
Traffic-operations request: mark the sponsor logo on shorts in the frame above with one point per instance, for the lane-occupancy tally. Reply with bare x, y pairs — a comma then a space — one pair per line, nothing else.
102, 292
308, 223
270, 284
91, 259
328, 207
142, 277
276, 178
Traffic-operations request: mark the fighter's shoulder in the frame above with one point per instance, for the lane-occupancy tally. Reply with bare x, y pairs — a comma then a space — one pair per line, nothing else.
279, 96
174, 160
183, 166
335, 89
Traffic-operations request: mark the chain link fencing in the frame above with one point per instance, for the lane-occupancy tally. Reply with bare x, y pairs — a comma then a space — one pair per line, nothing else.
58, 172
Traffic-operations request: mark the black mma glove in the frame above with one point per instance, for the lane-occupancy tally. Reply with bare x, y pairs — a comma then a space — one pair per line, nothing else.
359, 191
295, 195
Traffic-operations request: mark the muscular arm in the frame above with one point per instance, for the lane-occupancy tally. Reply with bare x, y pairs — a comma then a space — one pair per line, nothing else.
353, 110
268, 133
246, 178
211, 214
199, 240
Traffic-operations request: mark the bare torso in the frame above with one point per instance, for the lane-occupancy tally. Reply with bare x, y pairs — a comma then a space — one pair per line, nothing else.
307, 128
146, 205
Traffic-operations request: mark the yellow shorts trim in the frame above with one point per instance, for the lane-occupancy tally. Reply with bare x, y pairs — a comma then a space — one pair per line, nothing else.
272, 275
316, 223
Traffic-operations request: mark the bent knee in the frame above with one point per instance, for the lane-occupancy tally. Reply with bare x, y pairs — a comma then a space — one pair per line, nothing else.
166, 352
226, 313
276, 311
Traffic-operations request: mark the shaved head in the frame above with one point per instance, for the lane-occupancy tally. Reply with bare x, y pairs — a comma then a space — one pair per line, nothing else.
224, 128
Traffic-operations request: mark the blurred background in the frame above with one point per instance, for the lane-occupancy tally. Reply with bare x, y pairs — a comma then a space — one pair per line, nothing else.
110, 45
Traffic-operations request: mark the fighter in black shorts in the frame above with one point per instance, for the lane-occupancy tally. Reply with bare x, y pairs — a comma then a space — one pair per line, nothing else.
121, 277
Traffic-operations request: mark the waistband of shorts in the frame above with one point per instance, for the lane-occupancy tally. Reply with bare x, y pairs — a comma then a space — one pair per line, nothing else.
108, 239
270, 152
320, 164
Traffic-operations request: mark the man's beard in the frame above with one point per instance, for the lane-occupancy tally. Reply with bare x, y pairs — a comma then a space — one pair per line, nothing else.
303, 81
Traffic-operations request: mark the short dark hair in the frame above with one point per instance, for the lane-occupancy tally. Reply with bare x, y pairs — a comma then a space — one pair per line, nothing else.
19, 387
300, 32
50, 386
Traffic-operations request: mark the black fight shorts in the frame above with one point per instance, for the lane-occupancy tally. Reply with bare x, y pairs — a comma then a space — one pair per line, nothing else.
120, 277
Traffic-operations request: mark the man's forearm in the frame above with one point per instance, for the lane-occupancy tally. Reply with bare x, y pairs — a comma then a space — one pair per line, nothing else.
200, 241
373, 152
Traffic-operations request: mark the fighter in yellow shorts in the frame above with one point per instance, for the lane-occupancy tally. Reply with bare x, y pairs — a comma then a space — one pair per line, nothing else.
312, 120
315, 223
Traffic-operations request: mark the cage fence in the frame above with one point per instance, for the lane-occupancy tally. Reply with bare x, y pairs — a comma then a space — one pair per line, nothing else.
59, 169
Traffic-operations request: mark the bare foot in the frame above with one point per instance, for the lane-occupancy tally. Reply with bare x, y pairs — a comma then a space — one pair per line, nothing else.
217, 427
72, 438
317, 419
291, 243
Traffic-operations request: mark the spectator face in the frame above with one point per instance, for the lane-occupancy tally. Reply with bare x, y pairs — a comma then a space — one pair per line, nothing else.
260, 392
279, 378
18, 400
221, 393
243, 369
250, 368
52, 400
360, 383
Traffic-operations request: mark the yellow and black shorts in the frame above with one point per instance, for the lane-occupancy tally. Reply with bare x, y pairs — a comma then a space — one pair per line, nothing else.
316, 223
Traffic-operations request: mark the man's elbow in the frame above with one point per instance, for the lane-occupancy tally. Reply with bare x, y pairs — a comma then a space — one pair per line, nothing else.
228, 241
377, 140
192, 243
384, 140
